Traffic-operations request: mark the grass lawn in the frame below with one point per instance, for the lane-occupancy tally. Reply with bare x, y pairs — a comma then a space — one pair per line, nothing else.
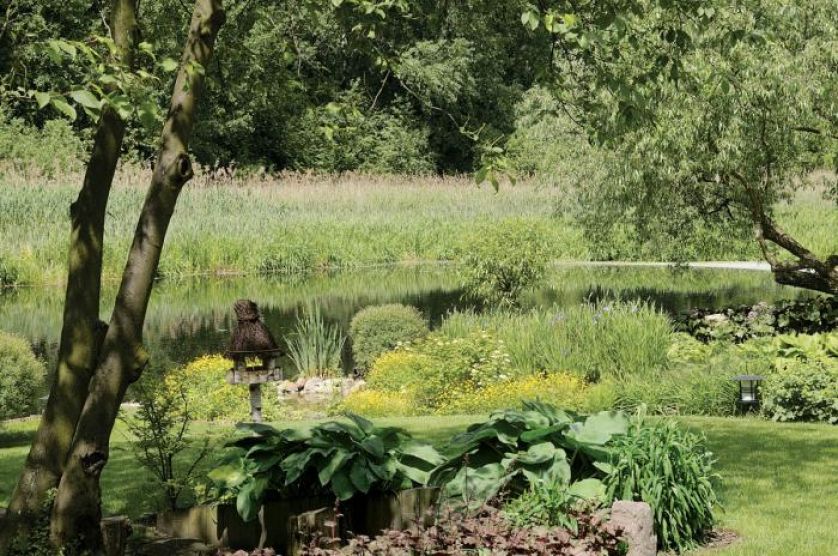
780, 481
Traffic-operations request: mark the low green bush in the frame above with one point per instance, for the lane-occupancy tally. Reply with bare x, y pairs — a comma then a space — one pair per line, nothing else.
48, 150
381, 328
803, 385
503, 259
670, 469
21, 377
436, 370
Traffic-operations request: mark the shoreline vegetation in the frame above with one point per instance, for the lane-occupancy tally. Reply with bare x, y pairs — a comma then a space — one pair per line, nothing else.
298, 223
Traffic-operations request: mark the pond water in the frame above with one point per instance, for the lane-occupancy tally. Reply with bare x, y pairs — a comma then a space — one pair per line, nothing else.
189, 318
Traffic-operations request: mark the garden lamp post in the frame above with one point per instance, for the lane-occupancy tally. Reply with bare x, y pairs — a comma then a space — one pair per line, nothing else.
252, 340
748, 391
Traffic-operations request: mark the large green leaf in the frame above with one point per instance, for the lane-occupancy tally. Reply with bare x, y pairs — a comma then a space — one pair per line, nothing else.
249, 499
480, 483
230, 476
342, 485
424, 452
374, 446
598, 429
333, 463
587, 489
361, 476
537, 453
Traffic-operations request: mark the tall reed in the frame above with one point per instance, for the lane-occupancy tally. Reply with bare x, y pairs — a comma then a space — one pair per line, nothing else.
315, 346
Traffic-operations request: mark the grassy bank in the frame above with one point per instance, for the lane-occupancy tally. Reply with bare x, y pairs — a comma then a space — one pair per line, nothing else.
778, 486
296, 223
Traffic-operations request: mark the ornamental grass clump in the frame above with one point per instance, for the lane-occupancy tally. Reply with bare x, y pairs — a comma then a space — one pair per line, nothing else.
670, 469
315, 346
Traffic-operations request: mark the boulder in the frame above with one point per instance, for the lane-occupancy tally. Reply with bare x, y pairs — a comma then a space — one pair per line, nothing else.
637, 522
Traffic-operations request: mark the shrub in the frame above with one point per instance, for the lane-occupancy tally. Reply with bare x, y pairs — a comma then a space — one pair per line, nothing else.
315, 347
210, 397
160, 428
52, 149
375, 403
670, 469
559, 389
400, 370
689, 390
803, 385
502, 260
375, 330
807, 316
21, 377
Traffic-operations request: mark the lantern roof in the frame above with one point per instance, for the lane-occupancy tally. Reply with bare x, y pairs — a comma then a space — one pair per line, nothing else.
752, 378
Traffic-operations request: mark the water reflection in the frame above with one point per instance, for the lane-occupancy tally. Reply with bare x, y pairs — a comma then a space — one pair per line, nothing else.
188, 318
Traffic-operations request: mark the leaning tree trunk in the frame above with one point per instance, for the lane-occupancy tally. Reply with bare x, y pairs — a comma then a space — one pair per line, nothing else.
809, 271
77, 508
82, 331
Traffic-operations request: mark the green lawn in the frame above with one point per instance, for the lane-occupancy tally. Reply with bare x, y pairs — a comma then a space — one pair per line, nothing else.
780, 481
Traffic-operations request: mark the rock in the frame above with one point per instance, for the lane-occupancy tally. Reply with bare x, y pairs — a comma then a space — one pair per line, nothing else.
359, 384
321, 386
637, 522
716, 318
287, 387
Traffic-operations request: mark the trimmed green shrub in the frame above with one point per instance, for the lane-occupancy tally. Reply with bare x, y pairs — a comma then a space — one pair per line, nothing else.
670, 469
21, 377
375, 330
504, 259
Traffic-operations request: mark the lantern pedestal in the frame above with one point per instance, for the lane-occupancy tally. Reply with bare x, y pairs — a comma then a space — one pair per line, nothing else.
254, 377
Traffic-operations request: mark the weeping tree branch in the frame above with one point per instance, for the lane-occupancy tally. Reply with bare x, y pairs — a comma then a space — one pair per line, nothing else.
77, 509
82, 331
809, 271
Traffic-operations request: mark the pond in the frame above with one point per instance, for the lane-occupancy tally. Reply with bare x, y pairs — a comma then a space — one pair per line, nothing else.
192, 317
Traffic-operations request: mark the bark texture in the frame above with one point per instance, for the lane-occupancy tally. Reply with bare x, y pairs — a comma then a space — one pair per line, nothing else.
77, 508
809, 271
82, 331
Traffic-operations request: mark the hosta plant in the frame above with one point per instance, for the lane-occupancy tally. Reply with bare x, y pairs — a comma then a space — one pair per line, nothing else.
537, 446
340, 458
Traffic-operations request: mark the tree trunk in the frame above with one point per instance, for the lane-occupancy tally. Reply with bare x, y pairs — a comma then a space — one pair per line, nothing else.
82, 331
77, 509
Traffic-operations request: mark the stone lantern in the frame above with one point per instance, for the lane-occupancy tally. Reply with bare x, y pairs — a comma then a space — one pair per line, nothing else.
252, 340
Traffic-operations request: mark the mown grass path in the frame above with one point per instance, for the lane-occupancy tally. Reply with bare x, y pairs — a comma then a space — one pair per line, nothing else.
779, 488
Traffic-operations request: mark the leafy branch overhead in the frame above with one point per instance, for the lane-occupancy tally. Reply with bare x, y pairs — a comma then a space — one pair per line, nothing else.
107, 81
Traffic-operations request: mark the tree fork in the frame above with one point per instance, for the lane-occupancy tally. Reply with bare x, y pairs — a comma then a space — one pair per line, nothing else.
82, 332
77, 509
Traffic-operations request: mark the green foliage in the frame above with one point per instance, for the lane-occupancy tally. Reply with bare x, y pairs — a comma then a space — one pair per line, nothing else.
670, 469
504, 259
806, 316
160, 430
551, 505
537, 446
50, 150
345, 458
803, 385
593, 340
377, 329
21, 377
315, 347
436, 371
209, 396
340, 136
